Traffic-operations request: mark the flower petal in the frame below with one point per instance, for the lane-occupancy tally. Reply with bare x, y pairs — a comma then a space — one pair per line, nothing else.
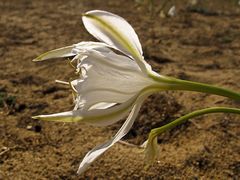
98, 150
97, 117
90, 45
73, 50
67, 116
108, 77
56, 53
102, 105
115, 31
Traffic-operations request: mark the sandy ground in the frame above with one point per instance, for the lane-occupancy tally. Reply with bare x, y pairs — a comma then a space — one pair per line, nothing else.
200, 44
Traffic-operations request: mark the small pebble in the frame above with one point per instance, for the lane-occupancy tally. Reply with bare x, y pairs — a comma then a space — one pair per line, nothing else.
29, 127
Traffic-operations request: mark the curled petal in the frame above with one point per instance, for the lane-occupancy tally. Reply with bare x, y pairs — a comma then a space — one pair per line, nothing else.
98, 150
115, 31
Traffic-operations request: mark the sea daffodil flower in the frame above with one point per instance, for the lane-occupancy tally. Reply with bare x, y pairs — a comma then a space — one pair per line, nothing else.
110, 85
113, 84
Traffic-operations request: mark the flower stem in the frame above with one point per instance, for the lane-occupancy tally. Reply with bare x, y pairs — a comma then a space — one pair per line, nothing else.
155, 132
178, 84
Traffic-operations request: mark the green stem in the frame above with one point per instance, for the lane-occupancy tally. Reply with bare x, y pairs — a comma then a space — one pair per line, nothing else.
178, 84
155, 132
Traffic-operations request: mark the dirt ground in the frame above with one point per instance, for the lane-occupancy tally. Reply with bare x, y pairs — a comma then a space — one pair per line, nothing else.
201, 43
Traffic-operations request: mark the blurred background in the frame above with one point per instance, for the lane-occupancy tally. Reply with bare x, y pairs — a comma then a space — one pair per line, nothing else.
195, 40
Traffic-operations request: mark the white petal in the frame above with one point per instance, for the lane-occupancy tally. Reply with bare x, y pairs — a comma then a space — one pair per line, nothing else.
67, 116
102, 105
98, 150
57, 53
115, 31
108, 77
73, 50
97, 117
90, 45
112, 29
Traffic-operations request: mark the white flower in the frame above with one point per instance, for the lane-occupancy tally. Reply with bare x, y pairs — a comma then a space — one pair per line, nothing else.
111, 85
114, 80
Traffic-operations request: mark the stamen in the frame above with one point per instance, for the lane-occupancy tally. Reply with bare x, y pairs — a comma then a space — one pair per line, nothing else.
73, 88
62, 82
71, 64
